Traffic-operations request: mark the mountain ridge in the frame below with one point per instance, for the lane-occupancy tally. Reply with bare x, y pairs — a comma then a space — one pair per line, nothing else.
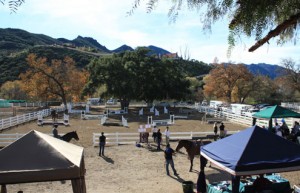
16, 44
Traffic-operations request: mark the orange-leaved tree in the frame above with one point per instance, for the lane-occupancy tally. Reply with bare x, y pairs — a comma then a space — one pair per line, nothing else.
56, 79
13, 90
226, 82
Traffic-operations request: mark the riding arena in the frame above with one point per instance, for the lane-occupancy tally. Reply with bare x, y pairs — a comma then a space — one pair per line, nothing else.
126, 166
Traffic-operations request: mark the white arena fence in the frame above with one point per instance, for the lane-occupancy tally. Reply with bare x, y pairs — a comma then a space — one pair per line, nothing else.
20, 119
132, 138
239, 119
6, 139
118, 138
292, 105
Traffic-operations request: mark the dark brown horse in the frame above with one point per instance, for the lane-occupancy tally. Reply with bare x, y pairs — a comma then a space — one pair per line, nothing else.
192, 148
67, 137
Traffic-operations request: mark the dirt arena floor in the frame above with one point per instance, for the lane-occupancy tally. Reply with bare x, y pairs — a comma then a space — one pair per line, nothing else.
127, 168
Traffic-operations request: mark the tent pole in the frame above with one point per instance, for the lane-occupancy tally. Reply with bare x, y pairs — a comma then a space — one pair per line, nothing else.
253, 121
3, 188
235, 183
270, 125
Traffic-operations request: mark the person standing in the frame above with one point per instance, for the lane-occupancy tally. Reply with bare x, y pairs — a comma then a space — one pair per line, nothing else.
222, 130
154, 133
215, 128
158, 139
169, 152
201, 183
277, 129
102, 141
55, 132
167, 134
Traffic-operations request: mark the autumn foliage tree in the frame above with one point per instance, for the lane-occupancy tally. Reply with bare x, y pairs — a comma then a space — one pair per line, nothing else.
229, 82
13, 90
58, 79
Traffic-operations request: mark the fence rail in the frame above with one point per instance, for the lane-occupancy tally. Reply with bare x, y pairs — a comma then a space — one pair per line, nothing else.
131, 138
6, 139
20, 119
239, 119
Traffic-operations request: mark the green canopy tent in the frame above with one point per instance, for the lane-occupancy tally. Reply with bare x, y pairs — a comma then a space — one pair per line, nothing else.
274, 112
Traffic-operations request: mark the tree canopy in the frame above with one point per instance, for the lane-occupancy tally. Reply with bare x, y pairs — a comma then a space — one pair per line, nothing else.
262, 19
55, 79
134, 75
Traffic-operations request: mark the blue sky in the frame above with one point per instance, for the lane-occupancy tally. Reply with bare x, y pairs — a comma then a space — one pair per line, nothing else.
108, 23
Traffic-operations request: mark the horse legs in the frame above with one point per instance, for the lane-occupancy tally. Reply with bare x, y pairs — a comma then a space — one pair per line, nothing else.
191, 168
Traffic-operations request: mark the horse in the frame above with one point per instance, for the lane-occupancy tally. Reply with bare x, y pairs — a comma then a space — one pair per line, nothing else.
68, 136
192, 148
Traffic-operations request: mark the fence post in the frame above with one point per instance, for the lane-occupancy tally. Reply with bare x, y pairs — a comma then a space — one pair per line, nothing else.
192, 134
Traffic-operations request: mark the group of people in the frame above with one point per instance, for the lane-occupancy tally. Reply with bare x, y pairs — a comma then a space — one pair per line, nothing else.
157, 136
221, 128
283, 130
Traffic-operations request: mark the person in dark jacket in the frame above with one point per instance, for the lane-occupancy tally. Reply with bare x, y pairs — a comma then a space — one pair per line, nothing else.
102, 141
169, 152
158, 138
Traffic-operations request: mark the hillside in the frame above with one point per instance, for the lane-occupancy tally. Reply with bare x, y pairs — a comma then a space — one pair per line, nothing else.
12, 66
16, 44
272, 71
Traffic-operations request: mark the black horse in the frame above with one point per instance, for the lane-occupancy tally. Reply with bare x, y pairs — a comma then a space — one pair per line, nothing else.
67, 137
192, 148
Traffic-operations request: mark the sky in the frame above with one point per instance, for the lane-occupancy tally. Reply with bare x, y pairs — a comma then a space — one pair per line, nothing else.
107, 21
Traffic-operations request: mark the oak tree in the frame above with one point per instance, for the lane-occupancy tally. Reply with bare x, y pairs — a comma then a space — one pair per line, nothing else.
56, 79
134, 75
225, 80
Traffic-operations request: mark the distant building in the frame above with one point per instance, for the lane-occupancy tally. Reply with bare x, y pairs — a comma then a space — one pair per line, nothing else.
171, 56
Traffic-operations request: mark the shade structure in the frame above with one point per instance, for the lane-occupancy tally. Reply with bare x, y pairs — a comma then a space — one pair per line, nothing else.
276, 112
38, 157
253, 151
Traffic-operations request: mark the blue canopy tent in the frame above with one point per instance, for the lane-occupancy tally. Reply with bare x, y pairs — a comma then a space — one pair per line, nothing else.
253, 151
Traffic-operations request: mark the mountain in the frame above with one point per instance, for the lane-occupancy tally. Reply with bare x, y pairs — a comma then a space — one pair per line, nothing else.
123, 48
272, 71
16, 44
16, 40
157, 50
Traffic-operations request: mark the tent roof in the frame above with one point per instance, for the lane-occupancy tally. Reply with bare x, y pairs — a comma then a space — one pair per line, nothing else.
39, 157
253, 151
276, 112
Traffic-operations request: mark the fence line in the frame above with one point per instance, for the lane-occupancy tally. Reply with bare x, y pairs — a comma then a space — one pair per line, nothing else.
239, 119
6, 139
20, 119
117, 138
132, 138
